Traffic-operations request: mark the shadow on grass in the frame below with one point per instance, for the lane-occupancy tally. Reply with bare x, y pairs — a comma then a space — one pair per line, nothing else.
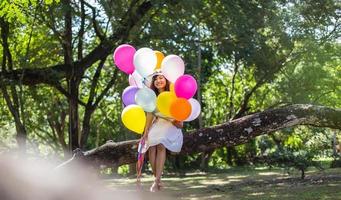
243, 183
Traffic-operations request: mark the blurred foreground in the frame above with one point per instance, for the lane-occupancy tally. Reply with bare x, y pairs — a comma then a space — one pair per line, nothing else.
22, 179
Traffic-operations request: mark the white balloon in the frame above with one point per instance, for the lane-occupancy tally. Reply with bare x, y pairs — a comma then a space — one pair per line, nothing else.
172, 67
146, 98
135, 79
145, 61
196, 109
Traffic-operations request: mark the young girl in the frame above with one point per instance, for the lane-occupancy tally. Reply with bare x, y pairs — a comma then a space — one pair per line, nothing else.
161, 133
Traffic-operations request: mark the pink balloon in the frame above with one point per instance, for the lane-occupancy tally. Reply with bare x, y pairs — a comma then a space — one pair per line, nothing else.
185, 86
124, 57
172, 67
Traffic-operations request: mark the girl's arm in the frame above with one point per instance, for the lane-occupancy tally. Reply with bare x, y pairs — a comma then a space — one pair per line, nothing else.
178, 124
149, 121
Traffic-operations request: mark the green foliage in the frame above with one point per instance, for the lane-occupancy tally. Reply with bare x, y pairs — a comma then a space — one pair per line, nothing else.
293, 142
218, 159
299, 148
315, 78
123, 170
287, 50
14, 10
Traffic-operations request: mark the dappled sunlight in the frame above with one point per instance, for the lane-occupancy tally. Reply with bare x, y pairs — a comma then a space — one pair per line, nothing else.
334, 185
256, 194
237, 177
234, 179
216, 196
268, 173
264, 184
215, 182
280, 184
197, 186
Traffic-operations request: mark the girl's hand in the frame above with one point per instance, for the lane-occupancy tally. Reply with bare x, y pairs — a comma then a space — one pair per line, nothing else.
177, 124
145, 137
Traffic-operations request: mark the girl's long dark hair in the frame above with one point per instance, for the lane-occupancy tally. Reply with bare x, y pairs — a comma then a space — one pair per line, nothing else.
152, 86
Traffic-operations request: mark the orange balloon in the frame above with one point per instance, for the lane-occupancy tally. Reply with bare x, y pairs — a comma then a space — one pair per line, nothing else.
160, 57
180, 109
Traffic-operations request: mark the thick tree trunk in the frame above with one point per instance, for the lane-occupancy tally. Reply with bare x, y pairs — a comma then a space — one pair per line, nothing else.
73, 116
21, 136
11, 96
74, 79
232, 133
86, 127
231, 155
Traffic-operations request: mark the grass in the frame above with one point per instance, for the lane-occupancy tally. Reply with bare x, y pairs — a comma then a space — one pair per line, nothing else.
240, 183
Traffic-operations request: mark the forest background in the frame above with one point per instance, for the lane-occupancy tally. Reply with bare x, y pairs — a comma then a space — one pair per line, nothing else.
60, 89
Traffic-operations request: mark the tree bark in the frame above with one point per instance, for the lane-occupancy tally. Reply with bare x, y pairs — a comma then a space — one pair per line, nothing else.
238, 131
302, 174
74, 79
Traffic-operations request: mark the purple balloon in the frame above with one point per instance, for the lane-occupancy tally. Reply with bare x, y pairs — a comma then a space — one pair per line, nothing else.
185, 86
124, 57
128, 95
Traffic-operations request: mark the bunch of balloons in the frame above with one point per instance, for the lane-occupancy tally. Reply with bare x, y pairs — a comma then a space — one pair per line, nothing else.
138, 98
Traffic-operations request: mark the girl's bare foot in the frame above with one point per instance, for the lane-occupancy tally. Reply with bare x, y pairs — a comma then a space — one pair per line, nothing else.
159, 184
154, 187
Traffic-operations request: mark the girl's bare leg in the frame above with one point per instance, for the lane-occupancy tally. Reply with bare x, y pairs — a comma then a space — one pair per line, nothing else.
160, 162
152, 158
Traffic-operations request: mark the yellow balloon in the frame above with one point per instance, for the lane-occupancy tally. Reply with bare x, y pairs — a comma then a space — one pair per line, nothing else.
164, 102
171, 87
160, 57
134, 118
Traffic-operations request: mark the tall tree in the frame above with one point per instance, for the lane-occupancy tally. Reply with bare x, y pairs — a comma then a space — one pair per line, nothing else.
254, 41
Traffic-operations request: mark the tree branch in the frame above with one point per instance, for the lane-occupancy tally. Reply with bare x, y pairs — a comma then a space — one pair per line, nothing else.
94, 82
67, 94
236, 132
81, 32
105, 91
236, 66
98, 30
49, 75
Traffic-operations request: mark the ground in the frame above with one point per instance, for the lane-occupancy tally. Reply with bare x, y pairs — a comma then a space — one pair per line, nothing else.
239, 183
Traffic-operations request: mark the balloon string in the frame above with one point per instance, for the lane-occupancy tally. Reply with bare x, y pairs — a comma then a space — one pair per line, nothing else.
143, 81
146, 80
165, 118
134, 80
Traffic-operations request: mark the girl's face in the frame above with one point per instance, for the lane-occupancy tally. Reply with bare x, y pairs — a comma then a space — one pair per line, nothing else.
160, 82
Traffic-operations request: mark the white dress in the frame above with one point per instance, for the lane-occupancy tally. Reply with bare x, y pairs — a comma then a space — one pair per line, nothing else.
164, 132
